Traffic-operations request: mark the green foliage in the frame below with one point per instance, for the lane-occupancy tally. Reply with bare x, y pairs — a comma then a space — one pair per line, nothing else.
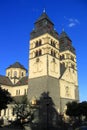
72, 109
5, 98
83, 108
77, 110
23, 109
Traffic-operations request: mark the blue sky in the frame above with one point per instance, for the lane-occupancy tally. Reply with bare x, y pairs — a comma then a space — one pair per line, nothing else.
17, 19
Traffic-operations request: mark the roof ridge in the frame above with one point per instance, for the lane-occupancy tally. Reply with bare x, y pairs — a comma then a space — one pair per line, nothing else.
17, 65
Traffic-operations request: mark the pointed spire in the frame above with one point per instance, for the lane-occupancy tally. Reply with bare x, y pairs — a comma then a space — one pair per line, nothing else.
44, 16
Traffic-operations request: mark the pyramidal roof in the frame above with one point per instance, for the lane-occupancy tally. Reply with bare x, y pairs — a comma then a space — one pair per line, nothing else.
64, 35
44, 16
17, 65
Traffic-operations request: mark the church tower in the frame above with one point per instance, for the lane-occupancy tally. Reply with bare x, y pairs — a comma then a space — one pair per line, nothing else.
52, 64
44, 64
68, 71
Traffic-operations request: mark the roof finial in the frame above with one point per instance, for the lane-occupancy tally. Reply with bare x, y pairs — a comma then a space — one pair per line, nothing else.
44, 10
63, 29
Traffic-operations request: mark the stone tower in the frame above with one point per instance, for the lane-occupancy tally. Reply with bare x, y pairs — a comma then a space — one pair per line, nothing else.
44, 64
52, 64
68, 71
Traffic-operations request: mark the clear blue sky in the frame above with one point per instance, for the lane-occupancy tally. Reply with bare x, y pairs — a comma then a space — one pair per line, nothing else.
17, 19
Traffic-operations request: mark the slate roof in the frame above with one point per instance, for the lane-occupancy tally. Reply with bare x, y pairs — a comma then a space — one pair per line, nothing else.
44, 16
65, 42
22, 81
17, 65
64, 35
5, 80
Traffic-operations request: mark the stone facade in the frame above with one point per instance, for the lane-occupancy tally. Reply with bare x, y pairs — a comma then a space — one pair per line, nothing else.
52, 69
45, 84
52, 64
16, 83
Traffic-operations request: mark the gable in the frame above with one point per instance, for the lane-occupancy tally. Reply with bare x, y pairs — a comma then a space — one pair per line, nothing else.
70, 75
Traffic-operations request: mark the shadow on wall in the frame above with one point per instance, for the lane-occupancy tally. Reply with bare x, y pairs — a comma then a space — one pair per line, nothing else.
45, 116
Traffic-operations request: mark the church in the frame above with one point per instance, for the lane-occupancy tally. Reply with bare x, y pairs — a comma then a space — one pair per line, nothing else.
52, 68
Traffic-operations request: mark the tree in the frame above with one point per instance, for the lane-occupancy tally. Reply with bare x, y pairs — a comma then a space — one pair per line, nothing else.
45, 115
78, 110
23, 109
72, 109
83, 108
5, 98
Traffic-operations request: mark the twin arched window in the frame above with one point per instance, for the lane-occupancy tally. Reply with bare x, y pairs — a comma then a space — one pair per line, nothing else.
38, 53
62, 57
53, 53
38, 43
53, 43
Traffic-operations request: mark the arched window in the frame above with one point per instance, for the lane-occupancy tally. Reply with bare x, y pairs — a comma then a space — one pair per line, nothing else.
36, 45
62, 57
22, 74
39, 43
52, 52
73, 67
72, 58
36, 54
4, 112
51, 42
15, 73
40, 52
25, 91
19, 92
